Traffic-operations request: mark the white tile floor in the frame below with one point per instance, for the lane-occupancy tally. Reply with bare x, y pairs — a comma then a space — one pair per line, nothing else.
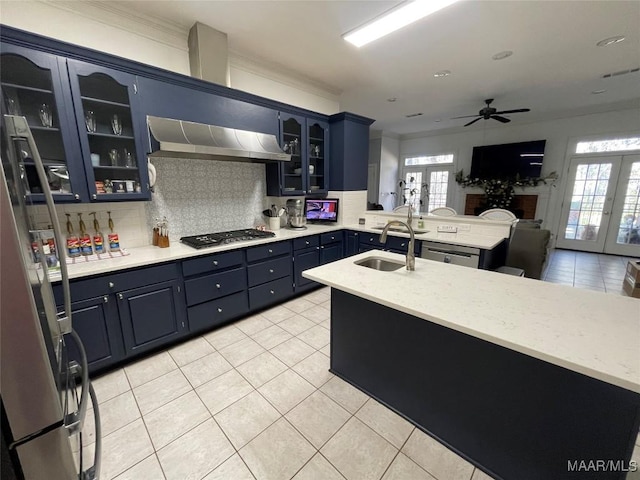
255, 400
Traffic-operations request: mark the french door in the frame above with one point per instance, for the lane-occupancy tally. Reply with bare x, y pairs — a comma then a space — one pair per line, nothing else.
601, 209
436, 194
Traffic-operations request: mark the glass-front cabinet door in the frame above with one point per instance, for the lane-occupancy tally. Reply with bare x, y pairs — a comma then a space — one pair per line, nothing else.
318, 169
106, 109
32, 86
293, 177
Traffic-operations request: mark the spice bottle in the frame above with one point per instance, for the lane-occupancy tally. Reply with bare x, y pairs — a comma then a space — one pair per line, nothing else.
86, 248
98, 238
114, 240
73, 243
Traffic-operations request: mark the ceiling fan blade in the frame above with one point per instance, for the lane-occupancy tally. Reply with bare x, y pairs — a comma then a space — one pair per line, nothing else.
473, 121
500, 119
519, 110
466, 116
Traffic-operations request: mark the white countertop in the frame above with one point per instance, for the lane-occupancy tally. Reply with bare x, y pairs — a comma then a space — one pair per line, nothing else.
593, 333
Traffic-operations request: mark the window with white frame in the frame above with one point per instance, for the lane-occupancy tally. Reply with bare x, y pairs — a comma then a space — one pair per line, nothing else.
432, 174
429, 160
610, 145
438, 186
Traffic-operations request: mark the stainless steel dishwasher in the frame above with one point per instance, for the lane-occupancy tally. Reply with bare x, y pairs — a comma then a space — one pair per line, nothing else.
456, 254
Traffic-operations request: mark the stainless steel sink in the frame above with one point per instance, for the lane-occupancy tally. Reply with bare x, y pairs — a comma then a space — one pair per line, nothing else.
378, 263
402, 230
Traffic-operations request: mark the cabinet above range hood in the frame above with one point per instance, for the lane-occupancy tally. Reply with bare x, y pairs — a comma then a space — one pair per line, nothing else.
182, 139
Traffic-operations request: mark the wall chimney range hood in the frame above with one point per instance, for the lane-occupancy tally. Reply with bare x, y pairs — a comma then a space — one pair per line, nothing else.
182, 139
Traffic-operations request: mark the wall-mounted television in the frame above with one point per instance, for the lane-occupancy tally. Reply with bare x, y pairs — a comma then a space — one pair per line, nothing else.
321, 210
507, 161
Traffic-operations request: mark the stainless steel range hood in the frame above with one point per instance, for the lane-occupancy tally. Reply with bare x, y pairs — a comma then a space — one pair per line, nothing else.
181, 139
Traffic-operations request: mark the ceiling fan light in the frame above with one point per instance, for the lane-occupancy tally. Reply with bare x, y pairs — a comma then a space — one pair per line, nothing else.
395, 19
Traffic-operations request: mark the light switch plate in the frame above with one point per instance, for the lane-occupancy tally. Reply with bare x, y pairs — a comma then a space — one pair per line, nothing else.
447, 229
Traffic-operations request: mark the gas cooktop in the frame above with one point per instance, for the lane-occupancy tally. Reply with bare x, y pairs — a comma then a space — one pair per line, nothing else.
222, 238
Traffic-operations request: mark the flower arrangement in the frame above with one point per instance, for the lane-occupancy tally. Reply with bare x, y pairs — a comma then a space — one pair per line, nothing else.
410, 190
500, 193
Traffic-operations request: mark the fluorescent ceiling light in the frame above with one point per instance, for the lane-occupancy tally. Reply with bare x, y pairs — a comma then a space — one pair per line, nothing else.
391, 21
532, 154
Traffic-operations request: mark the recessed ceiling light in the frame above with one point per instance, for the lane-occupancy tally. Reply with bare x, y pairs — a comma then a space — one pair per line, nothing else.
597, 92
610, 41
437, 120
411, 115
502, 55
442, 73
394, 19
392, 99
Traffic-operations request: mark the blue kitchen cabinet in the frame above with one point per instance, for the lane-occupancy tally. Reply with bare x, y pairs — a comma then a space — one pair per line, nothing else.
111, 131
307, 141
349, 152
168, 100
267, 287
352, 246
306, 255
34, 86
331, 247
150, 316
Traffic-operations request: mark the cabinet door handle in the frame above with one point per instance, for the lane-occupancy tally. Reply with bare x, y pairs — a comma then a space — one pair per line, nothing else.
135, 88
322, 247
215, 263
272, 292
105, 299
333, 238
402, 244
111, 285
77, 196
270, 251
371, 239
271, 270
219, 310
317, 248
217, 285
306, 242
94, 196
120, 296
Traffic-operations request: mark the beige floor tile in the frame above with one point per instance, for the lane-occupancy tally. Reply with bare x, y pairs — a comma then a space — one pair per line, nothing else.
277, 314
317, 297
225, 336
480, 475
241, 351
315, 369
286, 390
402, 468
196, 453
318, 468
277, 453
205, 369
160, 391
326, 350
149, 368
346, 395
435, 458
110, 385
317, 337
296, 325
292, 351
246, 418
298, 305
114, 414
318, 418
358, 452
253, 324
147, 469
177, 417
385, 422
190, 351
232, 469
224, 390
124, 448
326, 304
272, 336
261, 369
317, 314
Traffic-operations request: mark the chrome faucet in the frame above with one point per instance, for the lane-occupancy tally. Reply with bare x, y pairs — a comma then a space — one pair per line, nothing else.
411, 257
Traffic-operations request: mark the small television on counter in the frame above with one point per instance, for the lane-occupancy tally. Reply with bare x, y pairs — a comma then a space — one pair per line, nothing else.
508, 161
318, 210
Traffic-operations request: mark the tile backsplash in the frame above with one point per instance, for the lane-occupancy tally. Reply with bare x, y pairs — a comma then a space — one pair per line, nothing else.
204, 196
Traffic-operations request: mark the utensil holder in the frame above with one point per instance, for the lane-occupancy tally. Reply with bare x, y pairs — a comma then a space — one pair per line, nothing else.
274, 223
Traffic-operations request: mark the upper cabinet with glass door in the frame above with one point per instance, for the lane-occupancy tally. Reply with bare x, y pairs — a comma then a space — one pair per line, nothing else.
293, 179
108, 118
32, 87
318, 170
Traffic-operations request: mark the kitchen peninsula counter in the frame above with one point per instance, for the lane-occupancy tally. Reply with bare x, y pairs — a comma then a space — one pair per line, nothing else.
516, 375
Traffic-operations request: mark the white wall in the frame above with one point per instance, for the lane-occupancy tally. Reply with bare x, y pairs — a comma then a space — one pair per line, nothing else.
560, 134
389, 174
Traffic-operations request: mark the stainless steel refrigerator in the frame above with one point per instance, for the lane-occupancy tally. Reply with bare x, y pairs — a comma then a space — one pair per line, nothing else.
44, 394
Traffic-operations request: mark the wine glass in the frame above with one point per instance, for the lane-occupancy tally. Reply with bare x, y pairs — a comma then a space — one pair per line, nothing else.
116, 124
90, 121
45, 115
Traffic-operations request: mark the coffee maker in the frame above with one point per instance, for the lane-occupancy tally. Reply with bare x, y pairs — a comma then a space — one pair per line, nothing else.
295, 214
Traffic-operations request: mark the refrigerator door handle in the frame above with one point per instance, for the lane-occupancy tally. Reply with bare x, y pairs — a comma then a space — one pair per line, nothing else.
93, 472
73, 421
18, 128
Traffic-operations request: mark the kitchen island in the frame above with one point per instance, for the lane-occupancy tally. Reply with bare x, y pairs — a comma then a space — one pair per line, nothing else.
522, 378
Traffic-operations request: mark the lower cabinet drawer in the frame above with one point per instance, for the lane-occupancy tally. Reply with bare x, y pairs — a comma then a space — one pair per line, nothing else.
271, 292
198, 290
218, 311
270, 270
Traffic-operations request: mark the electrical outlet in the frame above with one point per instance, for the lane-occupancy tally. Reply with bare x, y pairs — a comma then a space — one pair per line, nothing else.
447, 229
464, 227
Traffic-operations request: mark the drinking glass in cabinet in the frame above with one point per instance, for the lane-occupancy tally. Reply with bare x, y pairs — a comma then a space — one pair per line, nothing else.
45, 115
128, 159
114, 157
116, 124
90, 121
13, 107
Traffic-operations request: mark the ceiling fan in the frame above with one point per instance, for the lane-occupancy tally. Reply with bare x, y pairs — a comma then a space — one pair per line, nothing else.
490, 112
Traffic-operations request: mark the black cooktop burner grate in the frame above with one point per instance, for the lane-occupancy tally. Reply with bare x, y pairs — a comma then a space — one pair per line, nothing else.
221, 238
